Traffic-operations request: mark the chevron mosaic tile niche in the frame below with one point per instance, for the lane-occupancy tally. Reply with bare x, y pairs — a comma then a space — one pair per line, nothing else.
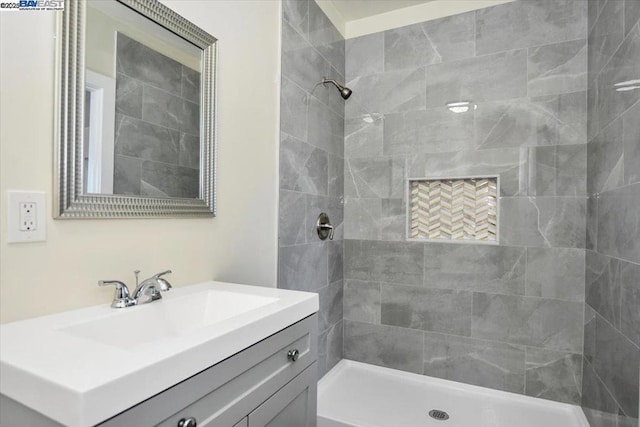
464, 209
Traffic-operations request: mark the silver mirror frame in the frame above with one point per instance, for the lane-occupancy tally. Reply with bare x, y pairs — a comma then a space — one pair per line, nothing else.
70, 202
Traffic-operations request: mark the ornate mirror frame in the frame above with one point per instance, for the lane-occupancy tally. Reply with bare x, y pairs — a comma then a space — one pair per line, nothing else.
70, 202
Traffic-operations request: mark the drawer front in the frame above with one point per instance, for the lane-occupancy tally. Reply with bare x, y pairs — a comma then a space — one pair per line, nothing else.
225, 393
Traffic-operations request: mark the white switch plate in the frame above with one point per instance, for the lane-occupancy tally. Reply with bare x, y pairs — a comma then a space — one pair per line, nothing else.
26, 221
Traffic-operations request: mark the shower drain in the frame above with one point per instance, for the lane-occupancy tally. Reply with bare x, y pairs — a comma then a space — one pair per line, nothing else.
438, 415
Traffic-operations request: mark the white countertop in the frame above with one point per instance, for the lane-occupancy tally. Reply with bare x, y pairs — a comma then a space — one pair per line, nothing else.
78, 381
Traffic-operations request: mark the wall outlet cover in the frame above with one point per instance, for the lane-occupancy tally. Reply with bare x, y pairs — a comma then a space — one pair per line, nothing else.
26, 221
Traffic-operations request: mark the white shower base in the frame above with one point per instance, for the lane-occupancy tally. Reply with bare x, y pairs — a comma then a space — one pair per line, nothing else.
355, 394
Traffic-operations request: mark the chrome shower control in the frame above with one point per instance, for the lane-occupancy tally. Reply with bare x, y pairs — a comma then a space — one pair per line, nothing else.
293, 355
324, 227
188, 422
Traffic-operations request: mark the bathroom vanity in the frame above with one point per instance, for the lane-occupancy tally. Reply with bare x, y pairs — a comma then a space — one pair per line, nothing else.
213, 354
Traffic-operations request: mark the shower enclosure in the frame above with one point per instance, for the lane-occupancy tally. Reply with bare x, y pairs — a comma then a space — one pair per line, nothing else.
544, 96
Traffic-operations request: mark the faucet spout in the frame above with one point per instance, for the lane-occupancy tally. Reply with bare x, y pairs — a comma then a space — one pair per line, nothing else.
150, 289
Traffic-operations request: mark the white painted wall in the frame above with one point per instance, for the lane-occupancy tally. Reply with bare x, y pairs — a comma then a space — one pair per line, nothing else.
239, 245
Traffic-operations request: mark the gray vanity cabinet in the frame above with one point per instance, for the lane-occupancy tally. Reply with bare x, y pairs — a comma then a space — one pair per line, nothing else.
272, 383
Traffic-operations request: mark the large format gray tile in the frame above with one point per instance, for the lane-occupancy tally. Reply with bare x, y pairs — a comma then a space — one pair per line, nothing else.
190, 84
431, 42
596, 397
364, 55
427, 131
486, 78
330, 312
589, 347
375, 219
325, 128
147, 141
377, 177
292, 218
592, 223
529, 23
335, 253
296, 14
335, 339
128, 96
147, 65
164, 109
619, 223
622, 67
543, 221
300, 61
617, 361
631, 126
556, 171
437, 310
481, 268
538, 322
605, 159
606, 35
546, 120
393, 262
389, 92
303, 167
553, 375
303, 267
483, 363
630, 301
362, 301
556, 273
382, 345
325, 38
602, 286
126, 175
558, 68
631, 14
172, 180
507, 163
363, 134
294, 103
189, 155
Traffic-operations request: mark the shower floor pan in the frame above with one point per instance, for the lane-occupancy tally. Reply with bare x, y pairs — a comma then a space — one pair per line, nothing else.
355, 394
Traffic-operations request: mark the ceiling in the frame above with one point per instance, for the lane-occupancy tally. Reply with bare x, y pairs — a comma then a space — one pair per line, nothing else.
358, 9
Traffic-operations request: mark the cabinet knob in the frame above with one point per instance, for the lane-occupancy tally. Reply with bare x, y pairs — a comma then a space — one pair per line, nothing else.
293, 355
188, 422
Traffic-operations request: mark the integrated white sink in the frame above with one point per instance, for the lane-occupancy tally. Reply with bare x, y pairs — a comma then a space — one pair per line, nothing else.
136, 326
84, 366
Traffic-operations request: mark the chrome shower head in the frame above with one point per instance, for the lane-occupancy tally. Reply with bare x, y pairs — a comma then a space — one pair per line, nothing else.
345, 92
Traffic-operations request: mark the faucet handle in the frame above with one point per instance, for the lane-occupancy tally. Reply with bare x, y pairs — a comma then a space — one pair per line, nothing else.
156, 276
137, 274
121, 296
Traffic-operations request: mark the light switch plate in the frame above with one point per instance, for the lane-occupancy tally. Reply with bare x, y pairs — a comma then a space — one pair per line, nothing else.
26, 219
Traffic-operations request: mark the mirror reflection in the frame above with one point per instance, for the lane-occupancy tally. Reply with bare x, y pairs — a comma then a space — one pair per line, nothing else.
142, 117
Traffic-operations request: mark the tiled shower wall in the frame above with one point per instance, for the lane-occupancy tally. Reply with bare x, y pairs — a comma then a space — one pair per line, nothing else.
612, 316
311, 166
157, 146
506, 316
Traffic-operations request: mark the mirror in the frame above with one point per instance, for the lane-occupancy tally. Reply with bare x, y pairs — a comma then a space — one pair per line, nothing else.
136, 112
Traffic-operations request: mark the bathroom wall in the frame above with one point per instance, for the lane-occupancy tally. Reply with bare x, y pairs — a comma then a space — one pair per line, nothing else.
311, 166
157, 147
239, 245
612, 315
506, 316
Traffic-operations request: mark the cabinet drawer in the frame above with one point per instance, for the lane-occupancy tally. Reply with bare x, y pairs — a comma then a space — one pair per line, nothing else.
225, 393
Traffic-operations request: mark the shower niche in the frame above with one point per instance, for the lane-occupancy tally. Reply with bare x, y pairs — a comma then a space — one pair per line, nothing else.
455, 210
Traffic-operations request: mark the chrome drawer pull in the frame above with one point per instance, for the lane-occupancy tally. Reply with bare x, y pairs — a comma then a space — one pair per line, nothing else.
188, 422
293, 355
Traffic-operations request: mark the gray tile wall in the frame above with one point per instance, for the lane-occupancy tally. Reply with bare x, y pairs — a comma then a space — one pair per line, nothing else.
311, 167
157, 145
612, 287
508, 316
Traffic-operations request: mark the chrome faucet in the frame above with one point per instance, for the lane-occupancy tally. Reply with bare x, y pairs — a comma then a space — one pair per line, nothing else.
147, 291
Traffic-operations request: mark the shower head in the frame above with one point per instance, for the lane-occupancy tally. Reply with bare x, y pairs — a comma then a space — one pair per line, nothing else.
345, 92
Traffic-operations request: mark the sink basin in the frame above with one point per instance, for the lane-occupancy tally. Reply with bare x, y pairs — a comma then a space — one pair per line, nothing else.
167, 318
81, 367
